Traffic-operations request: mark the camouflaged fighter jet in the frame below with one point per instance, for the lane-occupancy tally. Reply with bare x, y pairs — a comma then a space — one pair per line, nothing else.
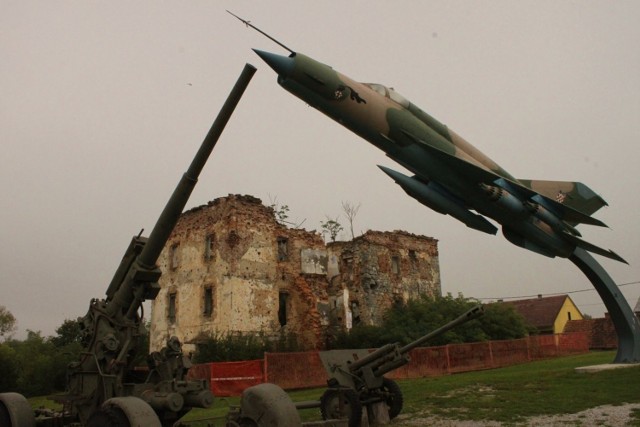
451, 176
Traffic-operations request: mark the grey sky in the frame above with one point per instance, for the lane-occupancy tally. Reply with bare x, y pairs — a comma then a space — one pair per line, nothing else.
103, 105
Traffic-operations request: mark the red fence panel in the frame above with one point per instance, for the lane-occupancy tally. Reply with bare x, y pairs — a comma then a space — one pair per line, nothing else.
573, 343
295, 370
509, 352
425, 362
304, 369
543, 346
469, 357
230, 378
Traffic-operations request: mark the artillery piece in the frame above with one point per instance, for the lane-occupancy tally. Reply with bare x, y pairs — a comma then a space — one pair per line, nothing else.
102, 389
357, 376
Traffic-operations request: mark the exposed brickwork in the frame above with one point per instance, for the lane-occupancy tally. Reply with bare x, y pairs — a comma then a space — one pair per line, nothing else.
229, 266
600, 332
379, 268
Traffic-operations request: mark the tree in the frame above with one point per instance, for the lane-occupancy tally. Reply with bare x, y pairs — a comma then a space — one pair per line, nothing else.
350, 211
7, 323
36, 365
331, 226
281, 213
8, 368
68, 332
406, 322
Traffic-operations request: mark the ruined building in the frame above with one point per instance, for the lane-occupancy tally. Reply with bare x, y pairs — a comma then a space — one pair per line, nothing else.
230, 267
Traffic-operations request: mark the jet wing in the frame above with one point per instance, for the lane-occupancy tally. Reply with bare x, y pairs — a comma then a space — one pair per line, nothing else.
479, 174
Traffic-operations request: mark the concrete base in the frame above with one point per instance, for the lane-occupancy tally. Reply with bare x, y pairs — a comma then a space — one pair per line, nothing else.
605, 367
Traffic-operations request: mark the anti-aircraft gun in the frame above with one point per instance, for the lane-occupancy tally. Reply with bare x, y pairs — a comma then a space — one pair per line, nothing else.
102, 390
356, 377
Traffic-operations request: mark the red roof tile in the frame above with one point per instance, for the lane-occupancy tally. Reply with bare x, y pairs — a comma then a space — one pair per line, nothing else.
540, 312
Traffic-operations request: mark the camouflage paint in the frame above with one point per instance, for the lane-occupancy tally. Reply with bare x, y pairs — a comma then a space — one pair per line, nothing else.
451, 176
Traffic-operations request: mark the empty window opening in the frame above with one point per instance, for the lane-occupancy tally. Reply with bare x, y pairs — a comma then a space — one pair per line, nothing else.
569, 315
282, 308
173, 255
172, 307
208, 301
209, 246
413, 256
395, 265
355, 313
283, 249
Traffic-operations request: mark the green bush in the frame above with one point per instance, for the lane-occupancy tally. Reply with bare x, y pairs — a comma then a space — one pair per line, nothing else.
35, 366
406, 322
8, 368
233, 347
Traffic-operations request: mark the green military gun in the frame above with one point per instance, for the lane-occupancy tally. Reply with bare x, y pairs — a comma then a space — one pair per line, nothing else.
103, 388
356, 377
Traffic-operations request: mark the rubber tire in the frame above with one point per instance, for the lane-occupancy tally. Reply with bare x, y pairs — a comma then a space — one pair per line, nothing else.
108, 417
128, 411
267, 405
395, 401
15, 411
330, 409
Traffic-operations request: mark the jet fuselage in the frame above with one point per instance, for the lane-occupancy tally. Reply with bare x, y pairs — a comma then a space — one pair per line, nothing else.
451, 176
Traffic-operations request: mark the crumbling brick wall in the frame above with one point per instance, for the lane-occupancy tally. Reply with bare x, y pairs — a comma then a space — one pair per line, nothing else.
378, 268
230, 267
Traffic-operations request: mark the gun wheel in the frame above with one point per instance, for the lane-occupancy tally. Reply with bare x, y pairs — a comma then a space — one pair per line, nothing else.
393, 397
266, 405
111, 417
340, 404
15, 411
124, 412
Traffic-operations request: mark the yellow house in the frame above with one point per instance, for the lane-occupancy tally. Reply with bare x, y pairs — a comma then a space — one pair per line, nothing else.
548, 314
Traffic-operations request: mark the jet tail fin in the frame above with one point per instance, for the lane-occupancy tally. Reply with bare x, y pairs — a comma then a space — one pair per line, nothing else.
576, 195
593, 248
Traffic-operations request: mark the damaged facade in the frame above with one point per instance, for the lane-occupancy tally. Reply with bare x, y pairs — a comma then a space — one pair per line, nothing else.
230, 267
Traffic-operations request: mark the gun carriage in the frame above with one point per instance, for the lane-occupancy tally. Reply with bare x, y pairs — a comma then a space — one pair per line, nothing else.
102, 388
357, 381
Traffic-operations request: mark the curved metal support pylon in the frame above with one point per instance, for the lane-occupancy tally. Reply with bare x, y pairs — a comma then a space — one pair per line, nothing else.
624, 320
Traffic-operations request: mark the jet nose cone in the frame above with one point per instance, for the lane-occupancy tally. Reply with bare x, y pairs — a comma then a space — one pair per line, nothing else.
283, 65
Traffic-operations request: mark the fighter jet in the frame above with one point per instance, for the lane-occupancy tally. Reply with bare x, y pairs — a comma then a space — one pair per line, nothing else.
450, 175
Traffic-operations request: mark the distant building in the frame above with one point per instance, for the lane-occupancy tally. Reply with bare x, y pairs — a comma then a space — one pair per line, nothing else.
548, 315
230, 267
600, 332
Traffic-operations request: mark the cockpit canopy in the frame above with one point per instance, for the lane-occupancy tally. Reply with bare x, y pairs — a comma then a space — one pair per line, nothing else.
389, 93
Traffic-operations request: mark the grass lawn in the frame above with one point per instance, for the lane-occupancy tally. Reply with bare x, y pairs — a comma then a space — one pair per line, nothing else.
507, 395
510, 394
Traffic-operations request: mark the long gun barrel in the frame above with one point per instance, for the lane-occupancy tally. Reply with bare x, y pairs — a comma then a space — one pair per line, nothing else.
474, 313
143, 267
392, 356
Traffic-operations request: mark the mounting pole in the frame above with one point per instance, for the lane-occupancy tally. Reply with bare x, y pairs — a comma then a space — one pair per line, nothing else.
624, 320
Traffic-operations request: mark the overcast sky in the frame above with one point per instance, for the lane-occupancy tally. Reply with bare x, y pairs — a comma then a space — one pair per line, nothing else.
103, 105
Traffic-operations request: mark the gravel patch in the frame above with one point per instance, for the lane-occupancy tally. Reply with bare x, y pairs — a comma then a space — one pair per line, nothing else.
606, 415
